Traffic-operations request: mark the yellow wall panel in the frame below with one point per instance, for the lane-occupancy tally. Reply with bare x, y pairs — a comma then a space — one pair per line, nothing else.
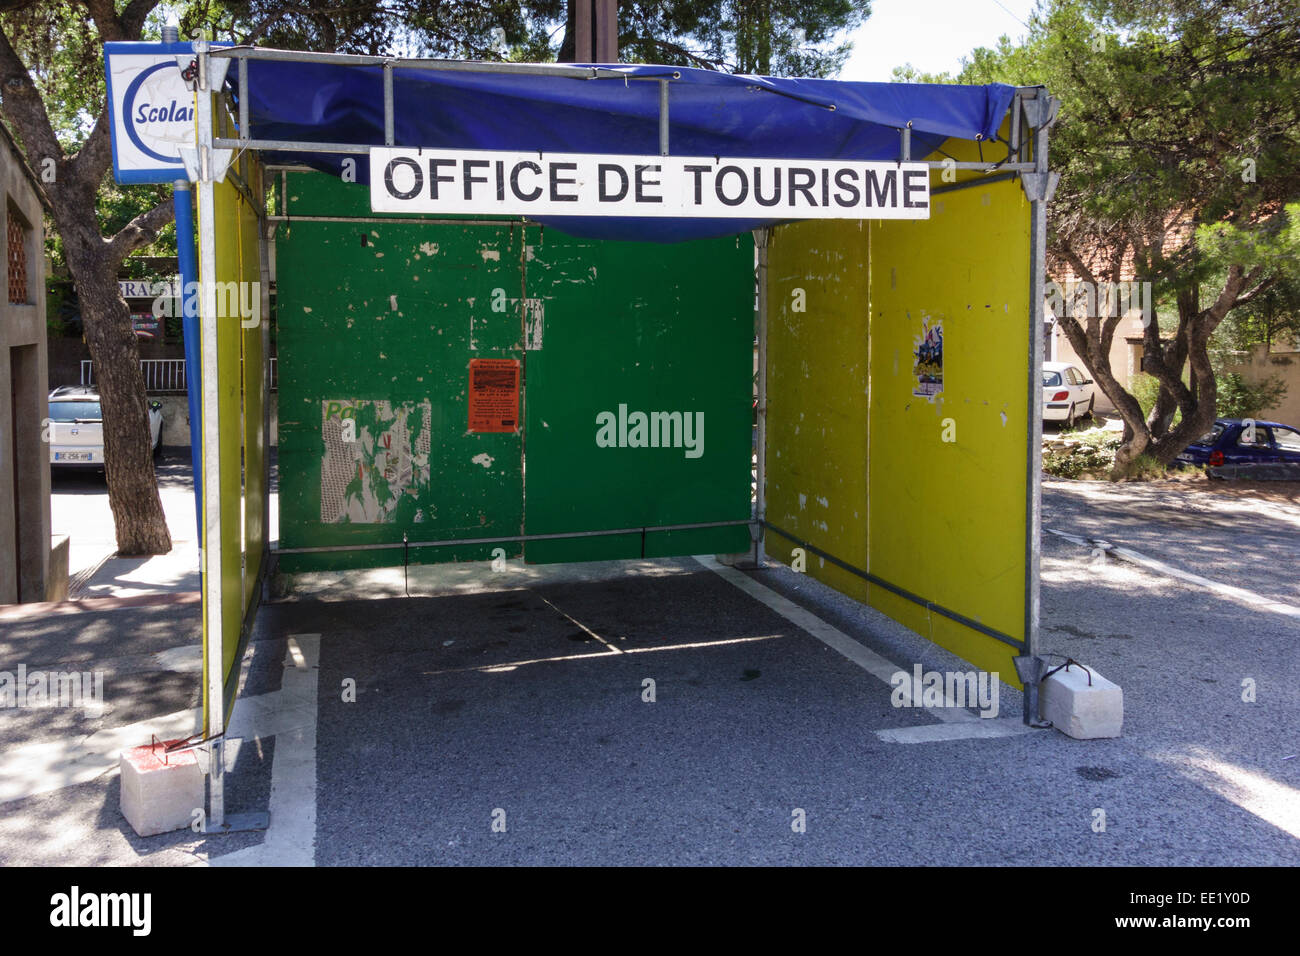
924, 492
240, 408
818, 275
947, 479
229, 401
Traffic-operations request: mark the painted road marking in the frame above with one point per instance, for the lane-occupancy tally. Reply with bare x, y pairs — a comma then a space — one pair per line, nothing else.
573, 620
291, 835
599, 655
1250, 599
961, 723
932, 733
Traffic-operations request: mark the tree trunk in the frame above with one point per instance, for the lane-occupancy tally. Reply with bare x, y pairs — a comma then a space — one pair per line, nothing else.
133, 498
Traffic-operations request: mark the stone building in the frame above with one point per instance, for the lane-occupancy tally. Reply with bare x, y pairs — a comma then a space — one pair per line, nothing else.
24, 456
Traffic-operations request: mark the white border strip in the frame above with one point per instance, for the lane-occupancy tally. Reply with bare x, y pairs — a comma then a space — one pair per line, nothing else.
958, 722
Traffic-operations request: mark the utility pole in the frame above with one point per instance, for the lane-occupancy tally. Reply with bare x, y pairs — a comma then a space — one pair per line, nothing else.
595, 31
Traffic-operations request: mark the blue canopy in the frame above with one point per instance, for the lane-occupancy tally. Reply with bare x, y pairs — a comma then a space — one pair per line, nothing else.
710, 114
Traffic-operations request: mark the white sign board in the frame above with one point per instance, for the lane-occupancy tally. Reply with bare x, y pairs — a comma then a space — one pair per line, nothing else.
151, 111
490, 182
148, 288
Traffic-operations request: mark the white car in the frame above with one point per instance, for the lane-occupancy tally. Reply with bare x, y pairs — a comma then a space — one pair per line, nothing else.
76, 427
1068, 394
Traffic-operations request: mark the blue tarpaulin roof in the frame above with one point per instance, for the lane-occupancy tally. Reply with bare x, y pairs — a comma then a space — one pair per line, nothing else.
711, 114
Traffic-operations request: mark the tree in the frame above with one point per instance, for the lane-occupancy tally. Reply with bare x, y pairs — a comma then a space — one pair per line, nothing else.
768, 37
1179, 125
1272, 316
52, 96
67, 144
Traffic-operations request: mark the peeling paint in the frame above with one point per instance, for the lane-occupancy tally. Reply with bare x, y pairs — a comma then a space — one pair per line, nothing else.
534, 320
803, 501
483, 458
429, 248
490, 255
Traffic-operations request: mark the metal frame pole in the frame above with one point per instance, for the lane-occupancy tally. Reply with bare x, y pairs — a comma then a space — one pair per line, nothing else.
389, 123
187, 269
762, 237
1038, 186
663, 117
214, 651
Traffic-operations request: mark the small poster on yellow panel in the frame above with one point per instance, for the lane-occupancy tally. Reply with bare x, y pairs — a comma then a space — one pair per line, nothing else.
927, 360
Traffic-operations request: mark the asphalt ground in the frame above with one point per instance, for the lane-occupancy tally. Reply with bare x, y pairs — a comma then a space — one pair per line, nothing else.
744, 733
1248, 542
518, 698
149, 661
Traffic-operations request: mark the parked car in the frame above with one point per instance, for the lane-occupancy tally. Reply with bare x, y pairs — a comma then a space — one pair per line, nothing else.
1068, 394
1233, 441
76, 427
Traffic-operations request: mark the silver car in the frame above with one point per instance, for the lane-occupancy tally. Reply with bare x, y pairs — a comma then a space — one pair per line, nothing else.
75, 427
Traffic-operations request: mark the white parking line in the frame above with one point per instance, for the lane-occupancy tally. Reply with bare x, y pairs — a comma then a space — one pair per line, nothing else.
931, 733
1250, 599
958, 722
291, 835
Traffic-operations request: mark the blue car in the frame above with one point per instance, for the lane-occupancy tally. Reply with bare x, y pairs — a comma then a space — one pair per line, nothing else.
1238, 441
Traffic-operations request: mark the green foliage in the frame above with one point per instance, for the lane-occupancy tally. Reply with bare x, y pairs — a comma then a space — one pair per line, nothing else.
1238, 399
65, 60
1146, 390
772, 37
1174, 113
910, 74
778, 37
1273, 313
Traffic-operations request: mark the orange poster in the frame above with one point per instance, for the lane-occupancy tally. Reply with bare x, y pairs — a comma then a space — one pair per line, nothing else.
493, 395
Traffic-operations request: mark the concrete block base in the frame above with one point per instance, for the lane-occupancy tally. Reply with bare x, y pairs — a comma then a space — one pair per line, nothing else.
159, 797
1079, 707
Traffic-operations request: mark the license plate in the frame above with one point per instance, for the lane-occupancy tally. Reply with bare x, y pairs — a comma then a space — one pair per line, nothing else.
72, 456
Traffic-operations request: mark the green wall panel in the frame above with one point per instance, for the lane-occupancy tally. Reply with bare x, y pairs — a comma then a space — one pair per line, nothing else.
378, 312
657, 328
378, 323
